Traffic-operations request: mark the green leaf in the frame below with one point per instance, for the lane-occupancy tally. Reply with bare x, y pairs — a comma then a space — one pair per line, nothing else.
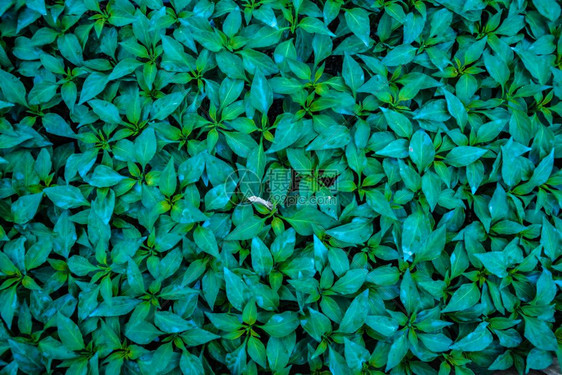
497, 68
550, 240
502, 362
69, 46
400, 55
356, 314
521, 127
383, 325
169, 322
395, 149
314, 26
355, 355
331, 138
229, 91
124, 68
546, 289
398, 351
145, 146
490, 130
42, 93
12, 88
248, 230
55, 124
25, 208
106, 111
474, 51
464, 155
116, 306
225, 322
352, 73
457, 109
205, 239
409, 294
168, 179
475, 341
281, 325
421, 150
395, 11
434, 245
543, 171
134, 277
538, 359
190, 364
80, 265
399, 123
37, 254
69, 333
380, 204
278, 352
8, 307
286, 133
236, 289
431, 188
165, 106
316, 325
548, 8
466, 296
169, 264
66, 197
104, 176
256, 350
299, 160
93, 85
437, 342
440, 21
261, 95
355, 232
495, 262
232, 23
141, 332
415, 229
539, 334
283, 245
498, 205
350, 282
357, 20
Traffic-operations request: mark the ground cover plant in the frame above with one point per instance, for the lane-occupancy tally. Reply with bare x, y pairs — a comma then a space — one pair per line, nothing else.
314, 187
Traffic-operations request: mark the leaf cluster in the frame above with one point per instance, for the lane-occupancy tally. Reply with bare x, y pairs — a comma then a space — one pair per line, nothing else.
417, 228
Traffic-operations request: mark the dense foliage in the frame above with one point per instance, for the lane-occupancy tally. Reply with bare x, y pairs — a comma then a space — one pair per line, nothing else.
283, 186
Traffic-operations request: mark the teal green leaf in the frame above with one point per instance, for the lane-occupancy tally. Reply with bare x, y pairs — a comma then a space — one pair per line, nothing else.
464, 155
69, 333
398, 122
421, 150
475, 341
236, 289
466, 296
66, 197
357, 20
